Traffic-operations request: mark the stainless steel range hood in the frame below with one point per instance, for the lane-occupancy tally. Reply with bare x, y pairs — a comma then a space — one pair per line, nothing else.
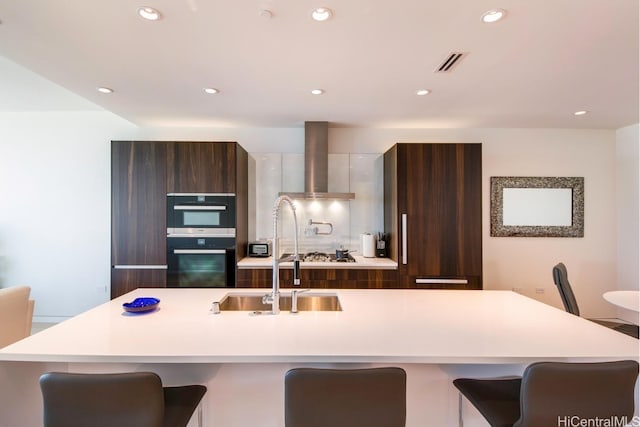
316, 165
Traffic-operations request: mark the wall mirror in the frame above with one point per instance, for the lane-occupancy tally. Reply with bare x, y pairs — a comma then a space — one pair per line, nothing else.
537, 206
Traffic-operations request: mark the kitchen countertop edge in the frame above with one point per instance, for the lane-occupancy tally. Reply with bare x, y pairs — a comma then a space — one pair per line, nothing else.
361, 263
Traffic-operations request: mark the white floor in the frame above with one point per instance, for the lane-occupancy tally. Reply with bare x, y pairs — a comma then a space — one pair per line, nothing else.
37, 327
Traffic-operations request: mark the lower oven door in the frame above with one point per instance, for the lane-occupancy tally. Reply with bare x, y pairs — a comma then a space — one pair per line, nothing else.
206, 266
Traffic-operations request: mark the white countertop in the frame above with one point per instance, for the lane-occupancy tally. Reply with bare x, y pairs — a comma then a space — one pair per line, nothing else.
385, 326
361, 263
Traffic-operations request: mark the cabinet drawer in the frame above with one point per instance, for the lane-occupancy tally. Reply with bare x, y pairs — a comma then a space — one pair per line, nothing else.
322, 278
124, 280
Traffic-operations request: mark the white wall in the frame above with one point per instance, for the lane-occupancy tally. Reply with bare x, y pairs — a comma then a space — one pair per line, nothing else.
55, 207
59, 164
628, 191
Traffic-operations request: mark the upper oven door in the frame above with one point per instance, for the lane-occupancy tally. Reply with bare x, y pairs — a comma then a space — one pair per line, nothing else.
201, 214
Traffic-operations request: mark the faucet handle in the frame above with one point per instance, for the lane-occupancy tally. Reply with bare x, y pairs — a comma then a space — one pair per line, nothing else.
296, 272
215, 307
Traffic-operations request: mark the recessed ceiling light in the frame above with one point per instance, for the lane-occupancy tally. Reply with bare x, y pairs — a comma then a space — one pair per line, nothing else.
317, 91
580, 113
493, 15
103, 89
321, 14
211, 90
149, 13
423, 92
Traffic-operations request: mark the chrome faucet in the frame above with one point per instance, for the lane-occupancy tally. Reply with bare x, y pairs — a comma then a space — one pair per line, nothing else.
274, 297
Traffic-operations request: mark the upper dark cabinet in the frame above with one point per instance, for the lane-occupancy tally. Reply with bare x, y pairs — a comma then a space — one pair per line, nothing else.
433, 214
202, 167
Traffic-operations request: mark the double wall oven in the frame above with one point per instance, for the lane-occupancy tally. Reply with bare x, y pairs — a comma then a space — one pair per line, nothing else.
201, 240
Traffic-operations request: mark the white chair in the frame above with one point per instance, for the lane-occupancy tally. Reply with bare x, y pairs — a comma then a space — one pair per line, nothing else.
16, 314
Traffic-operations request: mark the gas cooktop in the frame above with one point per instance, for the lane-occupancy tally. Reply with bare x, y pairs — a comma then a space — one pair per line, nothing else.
319, 257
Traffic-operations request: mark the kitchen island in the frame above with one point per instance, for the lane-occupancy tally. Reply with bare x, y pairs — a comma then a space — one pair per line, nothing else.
435, 335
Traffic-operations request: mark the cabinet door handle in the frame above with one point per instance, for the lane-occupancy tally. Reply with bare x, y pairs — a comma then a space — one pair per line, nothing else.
199, 208
441, 281
139, 267
404, 238
199, 251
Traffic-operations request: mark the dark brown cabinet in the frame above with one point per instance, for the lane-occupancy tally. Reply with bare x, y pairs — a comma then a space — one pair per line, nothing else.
329, 278
199, 167
138, 215
126, 279
433, 214
142, 173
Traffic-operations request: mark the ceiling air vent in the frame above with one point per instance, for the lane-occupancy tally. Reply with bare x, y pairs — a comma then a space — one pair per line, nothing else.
450, 61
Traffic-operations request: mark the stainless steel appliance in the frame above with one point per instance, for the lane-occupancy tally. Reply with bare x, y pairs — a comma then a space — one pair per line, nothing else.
201, 244
316, 165
201, 262
206, 214
259, 249
319, 257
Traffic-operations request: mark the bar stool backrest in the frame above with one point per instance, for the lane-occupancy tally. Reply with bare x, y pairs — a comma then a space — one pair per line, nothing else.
373, 397
564, 393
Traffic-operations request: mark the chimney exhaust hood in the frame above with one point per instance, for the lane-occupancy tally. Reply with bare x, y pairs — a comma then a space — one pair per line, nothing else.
316, 165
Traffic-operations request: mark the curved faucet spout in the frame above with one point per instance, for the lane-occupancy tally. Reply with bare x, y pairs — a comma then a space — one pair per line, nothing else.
274, 298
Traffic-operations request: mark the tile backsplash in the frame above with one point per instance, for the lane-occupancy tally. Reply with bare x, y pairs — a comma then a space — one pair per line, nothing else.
361, 174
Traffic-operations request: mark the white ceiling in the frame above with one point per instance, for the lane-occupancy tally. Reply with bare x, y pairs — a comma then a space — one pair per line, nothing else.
546, 60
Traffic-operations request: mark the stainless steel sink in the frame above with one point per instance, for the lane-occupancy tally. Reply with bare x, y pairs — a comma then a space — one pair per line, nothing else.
307, 301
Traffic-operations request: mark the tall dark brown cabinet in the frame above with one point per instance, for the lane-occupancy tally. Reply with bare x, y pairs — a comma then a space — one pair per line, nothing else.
138, 215
142, 173
433, 214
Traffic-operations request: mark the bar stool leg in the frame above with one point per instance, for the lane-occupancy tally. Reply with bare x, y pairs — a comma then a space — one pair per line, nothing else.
460, 421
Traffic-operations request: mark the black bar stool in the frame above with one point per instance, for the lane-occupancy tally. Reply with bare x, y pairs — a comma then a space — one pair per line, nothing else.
561, 279
551, 393
134, 399
372, 397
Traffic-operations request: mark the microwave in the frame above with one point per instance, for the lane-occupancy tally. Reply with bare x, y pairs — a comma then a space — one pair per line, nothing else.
201, 214
259, 249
